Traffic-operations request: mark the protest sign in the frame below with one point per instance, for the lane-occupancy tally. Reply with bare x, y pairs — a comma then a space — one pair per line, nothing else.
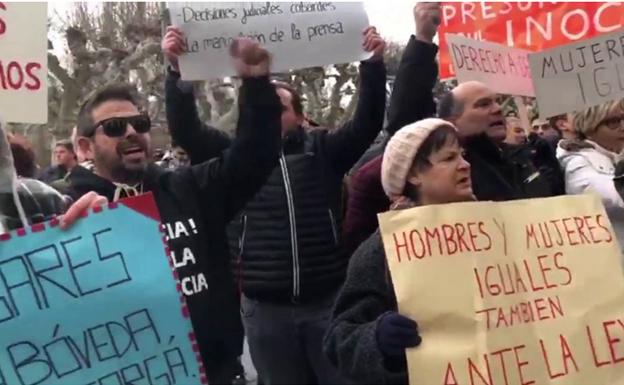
528, 25
522, 292
96, 304
579, 75
504, 69
23, 62
298, 35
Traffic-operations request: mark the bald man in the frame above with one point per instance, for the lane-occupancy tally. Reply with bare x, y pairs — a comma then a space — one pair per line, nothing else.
474, 109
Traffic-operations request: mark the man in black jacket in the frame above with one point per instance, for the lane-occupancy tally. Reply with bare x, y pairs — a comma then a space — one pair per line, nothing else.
474, 109
286, 242
195, 203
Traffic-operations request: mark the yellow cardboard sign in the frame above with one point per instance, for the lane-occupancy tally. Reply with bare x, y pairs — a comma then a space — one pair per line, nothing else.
523, 292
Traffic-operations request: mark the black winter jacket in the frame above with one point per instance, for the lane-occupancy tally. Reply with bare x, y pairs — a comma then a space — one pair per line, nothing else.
351, 340
286, 241
501, 174
197, 202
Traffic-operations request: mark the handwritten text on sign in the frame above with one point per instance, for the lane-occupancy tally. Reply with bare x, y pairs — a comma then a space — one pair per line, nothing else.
531, 25
23, 62
524, 292
504, 69
298, 35
92, 306
579, 75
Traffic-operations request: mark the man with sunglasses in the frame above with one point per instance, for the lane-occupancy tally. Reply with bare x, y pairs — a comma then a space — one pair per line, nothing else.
195, 203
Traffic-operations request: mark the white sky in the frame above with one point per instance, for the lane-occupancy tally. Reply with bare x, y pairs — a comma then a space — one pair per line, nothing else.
393, 18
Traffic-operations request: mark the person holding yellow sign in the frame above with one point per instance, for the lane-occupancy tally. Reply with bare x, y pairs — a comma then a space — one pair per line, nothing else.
423, 164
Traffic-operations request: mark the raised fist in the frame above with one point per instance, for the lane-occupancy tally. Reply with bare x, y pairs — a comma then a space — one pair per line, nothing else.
250, 59
427, 16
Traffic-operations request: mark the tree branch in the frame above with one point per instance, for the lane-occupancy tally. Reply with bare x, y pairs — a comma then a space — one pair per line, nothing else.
59, 72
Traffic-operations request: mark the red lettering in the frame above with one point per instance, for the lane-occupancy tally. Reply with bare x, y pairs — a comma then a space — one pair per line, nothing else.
530, 236
599, 218
435, 235
580, 225
567, 354
593, 349
544, 270
36, 82
450, 375
528, 270
548, 243
2, 22
476, 271
502, 361
560, 240
398, 247
482, 231
422, 244
451, 245
501, 317
15, 69
612, 341
461, 231
472, 368
494, 289
518, 279
473, 236
569, 232
539, 306
487, 314
564, 268
521, 364
591, 229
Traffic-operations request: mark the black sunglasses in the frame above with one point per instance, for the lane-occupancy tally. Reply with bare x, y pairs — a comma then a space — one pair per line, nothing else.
115, 127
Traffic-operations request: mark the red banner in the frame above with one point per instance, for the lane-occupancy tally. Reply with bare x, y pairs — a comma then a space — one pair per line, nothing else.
529, 25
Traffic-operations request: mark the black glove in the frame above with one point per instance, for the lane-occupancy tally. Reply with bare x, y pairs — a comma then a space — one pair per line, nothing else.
395, 333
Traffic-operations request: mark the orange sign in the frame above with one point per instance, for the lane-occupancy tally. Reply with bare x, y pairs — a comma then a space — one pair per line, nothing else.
529, 25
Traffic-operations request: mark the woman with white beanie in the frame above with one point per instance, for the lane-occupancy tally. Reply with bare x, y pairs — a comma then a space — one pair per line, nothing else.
367, 338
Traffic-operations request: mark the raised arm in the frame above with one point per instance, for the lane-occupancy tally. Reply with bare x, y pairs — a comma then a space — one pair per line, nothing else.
346, 144
201, 141
243, 168
412, 94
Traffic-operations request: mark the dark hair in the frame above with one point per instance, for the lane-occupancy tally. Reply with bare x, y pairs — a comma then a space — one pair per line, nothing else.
437, 139
448, 106
297, 103
23, 156
117, 92
67, 144
553, 121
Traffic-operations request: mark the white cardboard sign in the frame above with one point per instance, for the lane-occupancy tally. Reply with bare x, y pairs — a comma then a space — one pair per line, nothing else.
504, 69
575, 76
298, 35
23, 62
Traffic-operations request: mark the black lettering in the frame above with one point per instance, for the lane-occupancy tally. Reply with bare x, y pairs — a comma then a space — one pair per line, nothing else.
175, 359
29, 365
117, 255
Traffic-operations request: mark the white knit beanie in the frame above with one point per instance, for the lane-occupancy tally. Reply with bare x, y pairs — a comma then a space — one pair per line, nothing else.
400, 152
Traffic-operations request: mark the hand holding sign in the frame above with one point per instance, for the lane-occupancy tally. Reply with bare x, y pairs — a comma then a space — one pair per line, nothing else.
374, 43
81, 207
173, 45
427, 19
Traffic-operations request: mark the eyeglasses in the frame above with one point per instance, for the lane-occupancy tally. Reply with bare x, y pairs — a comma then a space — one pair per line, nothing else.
613, 123
116, 127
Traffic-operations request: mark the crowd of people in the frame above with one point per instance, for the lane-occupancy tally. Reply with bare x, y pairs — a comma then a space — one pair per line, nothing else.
289, 266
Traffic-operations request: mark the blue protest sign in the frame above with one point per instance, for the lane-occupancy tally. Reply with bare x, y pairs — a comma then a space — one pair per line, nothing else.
94, 305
